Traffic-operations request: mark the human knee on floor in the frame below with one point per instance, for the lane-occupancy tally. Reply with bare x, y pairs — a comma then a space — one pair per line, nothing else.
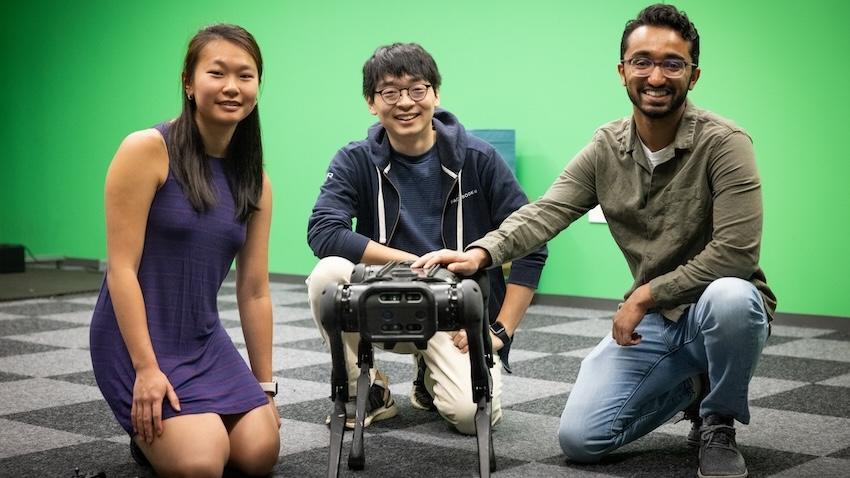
259, 460
577, 443
460, 413
197, 465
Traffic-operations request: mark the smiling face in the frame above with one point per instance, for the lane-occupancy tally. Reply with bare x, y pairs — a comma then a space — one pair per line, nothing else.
408, 122
656, 96
223, 85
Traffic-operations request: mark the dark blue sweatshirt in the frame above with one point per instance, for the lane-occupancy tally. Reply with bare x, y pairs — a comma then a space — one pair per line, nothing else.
361, 177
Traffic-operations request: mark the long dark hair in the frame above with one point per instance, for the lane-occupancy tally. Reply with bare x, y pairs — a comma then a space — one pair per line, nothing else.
244, 158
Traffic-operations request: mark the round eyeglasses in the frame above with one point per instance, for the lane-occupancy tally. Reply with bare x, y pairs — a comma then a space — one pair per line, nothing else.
670, 67
392, 95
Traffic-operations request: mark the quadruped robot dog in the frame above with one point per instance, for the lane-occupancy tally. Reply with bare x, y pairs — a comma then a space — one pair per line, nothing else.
391, 304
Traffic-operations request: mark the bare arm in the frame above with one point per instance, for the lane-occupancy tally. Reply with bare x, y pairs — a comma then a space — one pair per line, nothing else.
252, 291
138, 169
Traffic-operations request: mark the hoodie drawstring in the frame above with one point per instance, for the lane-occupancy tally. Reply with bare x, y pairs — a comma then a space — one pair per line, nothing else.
459, 225
382, 216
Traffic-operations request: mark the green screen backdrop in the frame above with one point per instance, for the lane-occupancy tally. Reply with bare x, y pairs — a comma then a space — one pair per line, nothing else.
79, 76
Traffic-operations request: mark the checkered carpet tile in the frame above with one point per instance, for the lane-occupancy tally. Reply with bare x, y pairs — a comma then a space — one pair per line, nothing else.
53, 418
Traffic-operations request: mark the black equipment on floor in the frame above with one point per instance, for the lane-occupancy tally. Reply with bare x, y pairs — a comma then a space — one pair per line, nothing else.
11, 258
391, 304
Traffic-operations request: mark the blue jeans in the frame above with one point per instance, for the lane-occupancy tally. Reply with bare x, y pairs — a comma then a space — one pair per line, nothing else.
623, 393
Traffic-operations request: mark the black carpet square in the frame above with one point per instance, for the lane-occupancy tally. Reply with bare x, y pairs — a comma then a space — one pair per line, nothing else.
816, 399
9, 347
799, 369
31, 325
93, 419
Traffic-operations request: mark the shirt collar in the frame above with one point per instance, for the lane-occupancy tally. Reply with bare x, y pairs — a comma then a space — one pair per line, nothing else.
684, 139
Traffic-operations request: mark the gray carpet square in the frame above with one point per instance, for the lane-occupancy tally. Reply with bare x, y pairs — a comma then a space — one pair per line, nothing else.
282, 334
77, 338
283, 314
316, 345
551, 342
533, 321
289, 297
5, 316
815, 399
305, 323
520, 389
46, 364
764, 387
553, 366
596, 328
571, 312
781, 330
30, 325
224, 305
37, 393
812, 348
80, 317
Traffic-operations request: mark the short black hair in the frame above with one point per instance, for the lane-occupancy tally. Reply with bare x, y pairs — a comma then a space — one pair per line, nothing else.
661, 15
397, 60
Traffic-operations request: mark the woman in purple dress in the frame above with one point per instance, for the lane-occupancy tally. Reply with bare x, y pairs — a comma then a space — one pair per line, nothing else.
182, 201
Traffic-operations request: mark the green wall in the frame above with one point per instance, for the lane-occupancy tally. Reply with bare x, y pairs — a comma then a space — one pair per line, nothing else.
79, 76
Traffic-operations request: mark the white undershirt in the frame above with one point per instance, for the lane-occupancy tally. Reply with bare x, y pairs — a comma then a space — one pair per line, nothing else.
664, 154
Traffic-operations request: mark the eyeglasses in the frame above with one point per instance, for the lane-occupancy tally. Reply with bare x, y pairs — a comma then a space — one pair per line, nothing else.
670, 67
392, 95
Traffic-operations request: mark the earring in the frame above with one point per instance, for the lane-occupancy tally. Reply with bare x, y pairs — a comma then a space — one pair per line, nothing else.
188, 96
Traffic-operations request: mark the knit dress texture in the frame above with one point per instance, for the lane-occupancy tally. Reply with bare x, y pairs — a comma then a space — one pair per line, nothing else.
185, 259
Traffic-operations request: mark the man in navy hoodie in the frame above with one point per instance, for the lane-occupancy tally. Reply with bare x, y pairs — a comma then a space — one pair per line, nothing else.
417, 184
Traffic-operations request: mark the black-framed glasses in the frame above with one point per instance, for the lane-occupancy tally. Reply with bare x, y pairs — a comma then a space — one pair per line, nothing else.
670, 67
391, 94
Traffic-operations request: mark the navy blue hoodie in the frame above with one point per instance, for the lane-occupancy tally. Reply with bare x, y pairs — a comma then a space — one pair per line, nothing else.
488, 194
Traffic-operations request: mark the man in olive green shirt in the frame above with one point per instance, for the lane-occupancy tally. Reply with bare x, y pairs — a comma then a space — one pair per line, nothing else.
680, 192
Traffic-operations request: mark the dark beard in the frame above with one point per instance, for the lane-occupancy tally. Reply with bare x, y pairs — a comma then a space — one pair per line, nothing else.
655, 114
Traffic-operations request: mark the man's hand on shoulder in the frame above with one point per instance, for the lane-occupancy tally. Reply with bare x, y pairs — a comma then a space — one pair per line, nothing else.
464, 263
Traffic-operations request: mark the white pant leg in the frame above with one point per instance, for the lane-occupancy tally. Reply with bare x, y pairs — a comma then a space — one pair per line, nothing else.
336, 270
449, 378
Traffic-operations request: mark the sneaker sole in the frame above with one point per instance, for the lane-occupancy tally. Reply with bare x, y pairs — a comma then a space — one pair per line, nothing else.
376, 416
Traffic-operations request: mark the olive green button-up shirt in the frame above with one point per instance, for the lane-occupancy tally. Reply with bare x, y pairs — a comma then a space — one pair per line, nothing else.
691, 220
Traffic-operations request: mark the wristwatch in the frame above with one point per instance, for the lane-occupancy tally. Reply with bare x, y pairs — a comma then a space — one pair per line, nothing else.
499, 331
269, 387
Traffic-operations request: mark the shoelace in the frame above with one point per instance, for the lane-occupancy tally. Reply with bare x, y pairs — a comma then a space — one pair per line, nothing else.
719, 436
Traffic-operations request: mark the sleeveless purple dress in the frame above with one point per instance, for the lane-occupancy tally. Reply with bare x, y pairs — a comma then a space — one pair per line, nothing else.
185, 258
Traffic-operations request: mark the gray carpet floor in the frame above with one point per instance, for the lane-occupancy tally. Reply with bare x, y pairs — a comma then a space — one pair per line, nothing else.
53, 418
